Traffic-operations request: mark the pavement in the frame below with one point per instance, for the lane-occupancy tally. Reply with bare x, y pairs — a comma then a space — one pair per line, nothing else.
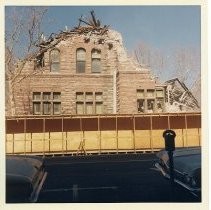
108, 179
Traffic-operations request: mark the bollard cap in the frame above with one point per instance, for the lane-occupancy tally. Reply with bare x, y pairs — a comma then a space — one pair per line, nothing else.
169, 136
169, 133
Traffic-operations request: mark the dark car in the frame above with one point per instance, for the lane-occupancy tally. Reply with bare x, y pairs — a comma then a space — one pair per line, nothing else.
187, 167
24, 178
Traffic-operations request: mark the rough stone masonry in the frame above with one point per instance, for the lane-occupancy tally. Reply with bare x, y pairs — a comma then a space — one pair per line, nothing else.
86, 70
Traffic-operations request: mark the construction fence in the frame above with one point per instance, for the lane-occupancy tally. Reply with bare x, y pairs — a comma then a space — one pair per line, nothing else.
47, 135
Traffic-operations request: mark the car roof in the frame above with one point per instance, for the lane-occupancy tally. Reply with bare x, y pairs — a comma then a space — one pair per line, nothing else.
187, 151
22, 166
187, 163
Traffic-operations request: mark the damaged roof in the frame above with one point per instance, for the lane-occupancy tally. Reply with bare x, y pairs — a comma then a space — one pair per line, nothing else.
172, 82
92, 26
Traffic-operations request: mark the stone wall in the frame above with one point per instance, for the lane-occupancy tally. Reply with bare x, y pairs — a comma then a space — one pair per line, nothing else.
128, 83
119, 79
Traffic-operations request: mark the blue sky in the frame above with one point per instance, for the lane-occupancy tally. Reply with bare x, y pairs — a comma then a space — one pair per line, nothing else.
163, 27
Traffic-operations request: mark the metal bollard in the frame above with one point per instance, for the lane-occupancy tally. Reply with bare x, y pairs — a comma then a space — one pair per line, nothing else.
169, 137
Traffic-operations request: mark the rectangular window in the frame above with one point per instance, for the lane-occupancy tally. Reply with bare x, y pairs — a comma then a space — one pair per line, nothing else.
98, 96
140, 105
89, 108
96, 65
99, 108
80, 96
140, 93
36, 108
89, 103
150, 105
96, 61
159, 93
47, 105
56, 96
46, 108
160, 104
150, 93
55, 60
89, 96
36, 96
79, 108
80, 66
46, 96
56, 108
55, 55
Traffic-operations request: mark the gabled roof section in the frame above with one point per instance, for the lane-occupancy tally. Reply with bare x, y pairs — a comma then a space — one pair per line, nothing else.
172, 81
177, 80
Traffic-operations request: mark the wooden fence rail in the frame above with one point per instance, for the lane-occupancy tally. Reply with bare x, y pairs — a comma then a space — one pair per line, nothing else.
99, 134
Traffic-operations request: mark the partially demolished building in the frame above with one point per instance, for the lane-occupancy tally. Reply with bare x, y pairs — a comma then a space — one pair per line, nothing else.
86, 70
179, 98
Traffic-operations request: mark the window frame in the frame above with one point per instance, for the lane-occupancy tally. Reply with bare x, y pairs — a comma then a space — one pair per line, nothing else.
81, 61
53, 107
96, 58
145, 96
50, 101
40, 107
97, 105
54, 61
44, 103
91, 99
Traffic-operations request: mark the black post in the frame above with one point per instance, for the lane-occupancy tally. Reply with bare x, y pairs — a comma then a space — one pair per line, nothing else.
169, 136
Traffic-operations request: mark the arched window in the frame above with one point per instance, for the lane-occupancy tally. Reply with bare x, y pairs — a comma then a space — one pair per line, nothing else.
80, 60
96, 61
55, 60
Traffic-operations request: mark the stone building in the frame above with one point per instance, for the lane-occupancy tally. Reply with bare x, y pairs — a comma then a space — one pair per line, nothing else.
86, 71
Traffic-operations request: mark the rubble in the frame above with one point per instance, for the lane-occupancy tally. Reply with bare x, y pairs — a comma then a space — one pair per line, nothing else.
179, 98
90, 31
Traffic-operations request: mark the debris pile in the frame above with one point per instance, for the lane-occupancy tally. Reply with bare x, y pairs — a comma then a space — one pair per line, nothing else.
93, 26
179, 98
92, 30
